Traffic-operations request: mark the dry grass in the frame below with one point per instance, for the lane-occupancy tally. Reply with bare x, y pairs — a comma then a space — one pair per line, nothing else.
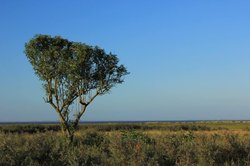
143, 144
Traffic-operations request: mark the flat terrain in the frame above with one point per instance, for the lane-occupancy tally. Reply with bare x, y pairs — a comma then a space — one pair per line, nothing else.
142, 143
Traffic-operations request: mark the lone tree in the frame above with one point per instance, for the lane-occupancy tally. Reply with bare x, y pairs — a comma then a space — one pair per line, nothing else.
73, 75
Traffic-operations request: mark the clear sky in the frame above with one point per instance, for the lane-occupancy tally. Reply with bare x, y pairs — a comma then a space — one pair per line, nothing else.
189, 60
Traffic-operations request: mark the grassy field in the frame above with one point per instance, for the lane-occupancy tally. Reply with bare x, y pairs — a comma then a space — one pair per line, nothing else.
148, 143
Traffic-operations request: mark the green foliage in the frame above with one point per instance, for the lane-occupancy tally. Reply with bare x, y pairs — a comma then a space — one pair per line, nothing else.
75, 67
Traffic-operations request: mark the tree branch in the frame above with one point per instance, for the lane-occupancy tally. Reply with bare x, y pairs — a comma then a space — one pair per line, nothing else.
84, 106
56, 93
92, 98
69, 100
52, 104
79, 115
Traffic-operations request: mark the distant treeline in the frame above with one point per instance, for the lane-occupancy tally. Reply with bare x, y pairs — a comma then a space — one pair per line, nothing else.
40, 128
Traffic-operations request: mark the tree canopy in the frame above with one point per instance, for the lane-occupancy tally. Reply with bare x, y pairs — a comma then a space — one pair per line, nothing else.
72, 72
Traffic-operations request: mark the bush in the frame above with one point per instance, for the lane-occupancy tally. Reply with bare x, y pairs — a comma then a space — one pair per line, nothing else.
92, 138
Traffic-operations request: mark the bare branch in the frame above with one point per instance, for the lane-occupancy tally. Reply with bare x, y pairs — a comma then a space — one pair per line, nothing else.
56, 92
52, 104
79, 115
92, 98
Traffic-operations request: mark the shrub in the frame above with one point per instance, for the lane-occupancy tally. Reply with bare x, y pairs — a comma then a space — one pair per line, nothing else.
92, 138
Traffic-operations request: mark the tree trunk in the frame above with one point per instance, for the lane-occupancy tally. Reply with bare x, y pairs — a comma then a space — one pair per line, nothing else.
67, 131
71, 137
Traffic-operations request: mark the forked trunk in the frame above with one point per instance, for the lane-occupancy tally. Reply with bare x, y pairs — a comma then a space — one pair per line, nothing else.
67, 131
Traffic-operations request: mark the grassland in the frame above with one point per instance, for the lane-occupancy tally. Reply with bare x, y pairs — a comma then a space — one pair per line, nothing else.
149, 143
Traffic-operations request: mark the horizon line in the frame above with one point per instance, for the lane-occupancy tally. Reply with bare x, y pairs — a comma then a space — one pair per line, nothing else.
121, 121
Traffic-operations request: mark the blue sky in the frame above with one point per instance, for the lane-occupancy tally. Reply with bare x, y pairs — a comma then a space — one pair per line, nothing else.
189, 60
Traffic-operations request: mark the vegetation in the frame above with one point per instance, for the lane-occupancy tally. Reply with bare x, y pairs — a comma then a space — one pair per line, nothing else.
194, 143
72, 73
